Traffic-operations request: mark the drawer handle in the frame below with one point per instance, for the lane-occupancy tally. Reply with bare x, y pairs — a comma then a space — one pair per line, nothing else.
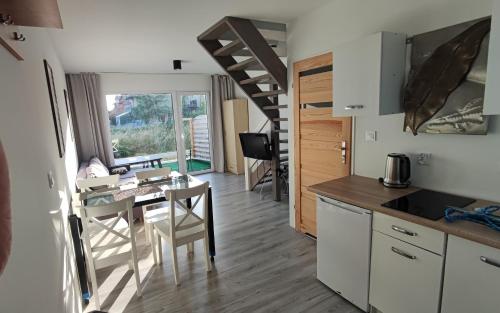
490, 262
403, 231
354, 107
403, 254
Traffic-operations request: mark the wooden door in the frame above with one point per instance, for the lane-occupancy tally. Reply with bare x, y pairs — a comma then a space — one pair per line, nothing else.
319, 138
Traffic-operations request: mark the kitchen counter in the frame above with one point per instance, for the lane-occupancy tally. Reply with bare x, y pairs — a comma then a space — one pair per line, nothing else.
368, 193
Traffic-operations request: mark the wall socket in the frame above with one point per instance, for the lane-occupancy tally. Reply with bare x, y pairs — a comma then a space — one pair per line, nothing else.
423, 158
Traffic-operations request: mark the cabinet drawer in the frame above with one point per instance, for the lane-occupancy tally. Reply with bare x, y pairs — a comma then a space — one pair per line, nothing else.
404, 278
471, 278
421, 236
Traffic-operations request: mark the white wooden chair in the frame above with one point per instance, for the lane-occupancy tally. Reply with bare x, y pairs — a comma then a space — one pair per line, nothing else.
184, 229
110, 181
109, 241
153, 212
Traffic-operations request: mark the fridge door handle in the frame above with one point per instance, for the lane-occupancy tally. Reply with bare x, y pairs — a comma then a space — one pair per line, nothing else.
342, 207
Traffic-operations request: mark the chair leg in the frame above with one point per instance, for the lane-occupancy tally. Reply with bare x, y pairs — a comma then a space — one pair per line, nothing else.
190, 248
160, 250
151, 233
147, 231
95, 289
135, 266
208, 264
174, 263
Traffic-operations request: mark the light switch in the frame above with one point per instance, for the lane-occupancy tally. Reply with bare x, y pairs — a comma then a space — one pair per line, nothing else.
370, 136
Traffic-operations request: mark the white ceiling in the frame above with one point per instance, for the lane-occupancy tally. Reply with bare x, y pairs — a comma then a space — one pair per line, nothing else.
144, 36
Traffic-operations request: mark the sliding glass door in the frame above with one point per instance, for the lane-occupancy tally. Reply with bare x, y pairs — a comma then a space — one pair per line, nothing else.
142, 128
173, 127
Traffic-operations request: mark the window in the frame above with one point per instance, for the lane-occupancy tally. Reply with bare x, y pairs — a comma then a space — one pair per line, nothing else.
172, 127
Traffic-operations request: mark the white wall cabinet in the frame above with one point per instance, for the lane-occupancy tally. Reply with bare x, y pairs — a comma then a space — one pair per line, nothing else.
368, 75
471, 278
492, 92
403, 278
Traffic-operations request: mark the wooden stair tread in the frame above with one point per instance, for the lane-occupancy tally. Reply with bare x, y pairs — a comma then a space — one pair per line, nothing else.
282, 131
283, 140
268, 93
284, 151
243, 65
230, 48
266, 78
275, 107
280, 119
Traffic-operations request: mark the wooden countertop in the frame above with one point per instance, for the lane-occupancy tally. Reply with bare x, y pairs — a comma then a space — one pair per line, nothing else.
368, 193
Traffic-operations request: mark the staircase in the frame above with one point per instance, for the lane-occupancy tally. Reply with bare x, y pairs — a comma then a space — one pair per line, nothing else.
249, 51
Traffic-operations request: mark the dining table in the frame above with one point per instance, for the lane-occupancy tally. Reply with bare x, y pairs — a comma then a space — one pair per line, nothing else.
146, 192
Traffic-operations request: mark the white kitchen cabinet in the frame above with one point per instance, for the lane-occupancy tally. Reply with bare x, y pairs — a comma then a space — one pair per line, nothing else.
492, 92
404, 278
368, 75
417, 235
471, 278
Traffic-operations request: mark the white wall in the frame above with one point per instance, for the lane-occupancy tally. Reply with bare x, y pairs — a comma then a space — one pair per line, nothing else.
468, 165
40, 275
115, 83
255, 116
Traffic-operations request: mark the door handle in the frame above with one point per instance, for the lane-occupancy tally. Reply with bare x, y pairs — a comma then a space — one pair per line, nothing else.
343, 151
403, 231
403, 254
490, 262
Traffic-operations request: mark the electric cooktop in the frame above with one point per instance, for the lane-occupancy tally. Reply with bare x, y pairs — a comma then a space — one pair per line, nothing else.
427, 203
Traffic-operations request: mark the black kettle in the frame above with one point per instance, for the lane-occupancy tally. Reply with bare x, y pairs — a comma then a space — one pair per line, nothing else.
397, 171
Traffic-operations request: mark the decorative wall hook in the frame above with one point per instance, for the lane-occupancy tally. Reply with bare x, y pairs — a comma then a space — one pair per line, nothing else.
19, 37
6, 19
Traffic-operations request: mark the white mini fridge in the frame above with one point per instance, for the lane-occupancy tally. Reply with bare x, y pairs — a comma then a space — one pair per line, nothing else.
343, 249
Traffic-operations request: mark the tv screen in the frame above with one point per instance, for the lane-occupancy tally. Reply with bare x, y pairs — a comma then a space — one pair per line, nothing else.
255, 146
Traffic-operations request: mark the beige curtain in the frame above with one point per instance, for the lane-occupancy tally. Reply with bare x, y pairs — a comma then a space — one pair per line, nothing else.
90, 114
222, 89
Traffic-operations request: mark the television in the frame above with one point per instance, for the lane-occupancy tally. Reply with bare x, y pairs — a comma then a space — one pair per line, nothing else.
256, 146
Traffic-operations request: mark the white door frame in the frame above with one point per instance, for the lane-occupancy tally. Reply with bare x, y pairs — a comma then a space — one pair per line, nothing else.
179, 140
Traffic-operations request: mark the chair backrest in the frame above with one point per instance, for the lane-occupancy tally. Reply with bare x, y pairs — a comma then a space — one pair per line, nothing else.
190, 219
160, 173
106, 181
106, 230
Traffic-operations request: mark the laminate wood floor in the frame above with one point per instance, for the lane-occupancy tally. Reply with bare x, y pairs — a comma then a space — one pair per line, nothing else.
262, 265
